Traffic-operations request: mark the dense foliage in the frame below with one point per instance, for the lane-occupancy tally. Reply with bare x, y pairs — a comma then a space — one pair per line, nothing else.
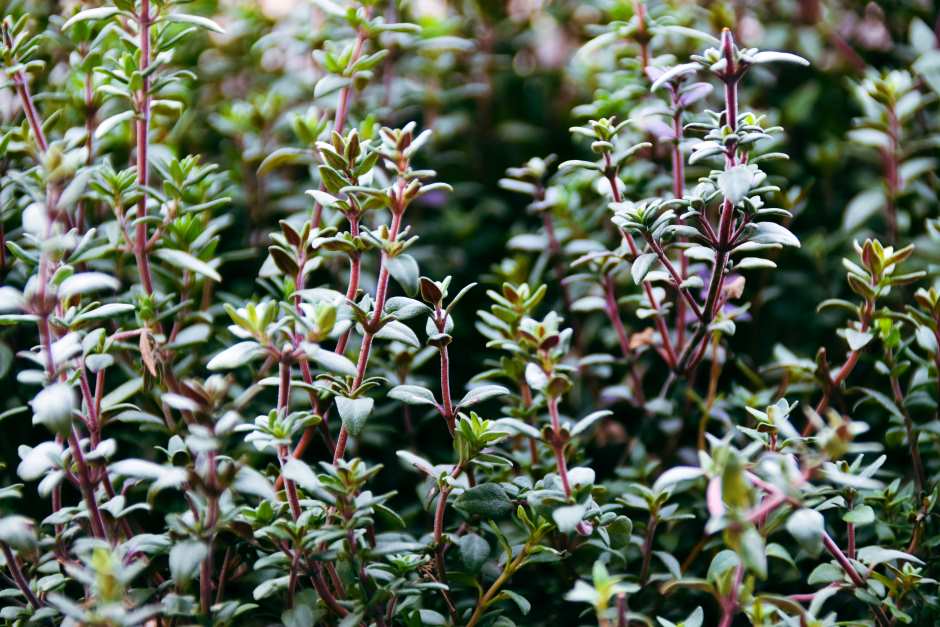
412, 313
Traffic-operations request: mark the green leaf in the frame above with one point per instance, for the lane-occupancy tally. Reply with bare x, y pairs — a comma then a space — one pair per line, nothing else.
299, 616
825, 574
121, 393
284, 156
328, 84
270, 586
474, 551
184, 260
860, 516
488, 500
752, 552
354, 412
861, 207
521, 602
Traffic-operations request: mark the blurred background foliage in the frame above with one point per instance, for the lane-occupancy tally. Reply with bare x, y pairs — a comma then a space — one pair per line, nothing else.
500, 82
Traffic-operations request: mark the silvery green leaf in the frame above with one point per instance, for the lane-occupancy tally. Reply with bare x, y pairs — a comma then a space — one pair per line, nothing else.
413, 395
86, 282
404, 308
807, 528
771, 56
18, 532
754, 263
195, 20
404, 269
184, 260
535, 377
418, 462
581, 476
11, 299
270, 586
111, 310
398, 332
328, 84
874, 555
97, 13
111, 122
482, 393
333, 362
567, 517
676, 475
250, 481
773, 233
641, 266
520, 427
585, 423
185, 558
37, 460
236, 355
674, 72
927, 339
857, 339
582, 593
753, 553
53, 407
300, 473
736, 183
354, 412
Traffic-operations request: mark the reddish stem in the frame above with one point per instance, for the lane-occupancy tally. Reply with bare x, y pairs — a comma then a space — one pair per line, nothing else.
613, 314
558, 446
26, 99
365, 348
18, 577
143, 130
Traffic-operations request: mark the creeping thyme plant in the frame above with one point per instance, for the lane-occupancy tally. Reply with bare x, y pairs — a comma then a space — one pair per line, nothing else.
349, 312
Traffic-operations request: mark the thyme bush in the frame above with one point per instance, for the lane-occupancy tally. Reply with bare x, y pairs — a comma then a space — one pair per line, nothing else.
379, 313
